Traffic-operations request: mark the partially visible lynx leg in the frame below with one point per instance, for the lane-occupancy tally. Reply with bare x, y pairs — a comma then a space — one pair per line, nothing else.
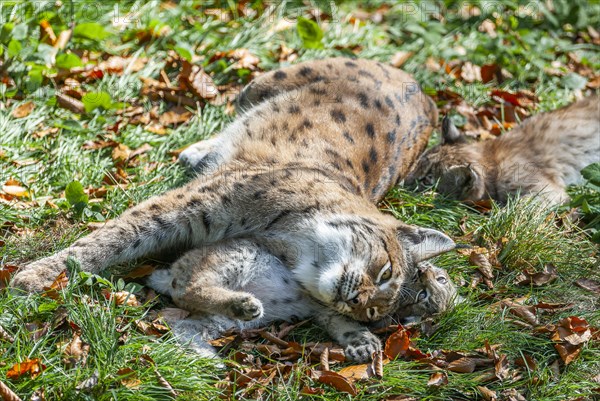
219, 301
202, 157
203, 296
36, 275
359, 343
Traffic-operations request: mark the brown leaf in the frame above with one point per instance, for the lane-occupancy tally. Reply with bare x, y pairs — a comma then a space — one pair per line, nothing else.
462, 365
198, 81
484, 266
176, 115
23, 110
357, 372
378, 363
537, 279
6, 272
76, 351
59, 283
487, 394
325, 360
121, 153
438, 379
570, 335
141, 271
588, 284
526, 361
527, 313
122, 297
128, 378
338, 382
222, 341
489, 72
306, 390
172, 315
397, 344
63, 39
399, 58
7, 394
32, 366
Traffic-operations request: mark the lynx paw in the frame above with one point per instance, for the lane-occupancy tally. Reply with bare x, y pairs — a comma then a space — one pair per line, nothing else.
200, 156
361, 348
33, 278
246, 308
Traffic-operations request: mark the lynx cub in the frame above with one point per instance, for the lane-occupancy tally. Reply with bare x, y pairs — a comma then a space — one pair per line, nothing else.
541, 157
299, 172
237, 283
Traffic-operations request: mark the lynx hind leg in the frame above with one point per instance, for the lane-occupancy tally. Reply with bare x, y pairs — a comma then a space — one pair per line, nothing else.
204, 281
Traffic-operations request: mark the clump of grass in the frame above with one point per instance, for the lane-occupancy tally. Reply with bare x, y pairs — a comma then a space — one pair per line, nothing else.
530, 237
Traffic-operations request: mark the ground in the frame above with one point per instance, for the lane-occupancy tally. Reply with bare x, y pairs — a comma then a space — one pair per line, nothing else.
97, 99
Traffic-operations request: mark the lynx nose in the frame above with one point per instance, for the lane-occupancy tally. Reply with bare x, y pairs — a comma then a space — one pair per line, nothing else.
372, 313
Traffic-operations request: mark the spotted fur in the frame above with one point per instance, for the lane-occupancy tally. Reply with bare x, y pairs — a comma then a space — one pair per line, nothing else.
238, 284
539, 157
298, 172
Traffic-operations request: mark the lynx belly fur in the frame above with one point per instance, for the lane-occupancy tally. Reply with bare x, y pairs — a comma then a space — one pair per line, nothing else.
540, 157
315, 146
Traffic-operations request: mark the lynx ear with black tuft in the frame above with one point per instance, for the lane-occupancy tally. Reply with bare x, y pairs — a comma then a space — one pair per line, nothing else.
424, 243
450, 134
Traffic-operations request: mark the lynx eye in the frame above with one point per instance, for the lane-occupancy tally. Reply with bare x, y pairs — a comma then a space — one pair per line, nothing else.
354, 301
385, 273
428, 179
442, 280
422, 295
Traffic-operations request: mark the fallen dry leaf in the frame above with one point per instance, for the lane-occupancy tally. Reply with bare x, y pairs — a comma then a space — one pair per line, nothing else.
59, 283
141, 271
462, 365
122, 297
121, 153
33, 367
438, 379
548, 275
176, 115
6, 272
589, 284
397, 344
128, 378
487, 394
569, 336
23, 110
484, 266
338, 382
197, 81
76, 351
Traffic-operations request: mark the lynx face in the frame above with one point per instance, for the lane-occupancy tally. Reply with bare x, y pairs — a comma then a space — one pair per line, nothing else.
362, 272
433, 293
454, 165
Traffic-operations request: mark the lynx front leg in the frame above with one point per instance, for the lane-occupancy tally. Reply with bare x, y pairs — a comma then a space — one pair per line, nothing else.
177, 219
358, 342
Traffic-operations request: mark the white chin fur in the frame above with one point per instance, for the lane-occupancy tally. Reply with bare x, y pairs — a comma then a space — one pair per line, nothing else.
328, 282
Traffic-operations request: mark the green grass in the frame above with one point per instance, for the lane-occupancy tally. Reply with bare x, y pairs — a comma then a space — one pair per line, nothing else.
44, 223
